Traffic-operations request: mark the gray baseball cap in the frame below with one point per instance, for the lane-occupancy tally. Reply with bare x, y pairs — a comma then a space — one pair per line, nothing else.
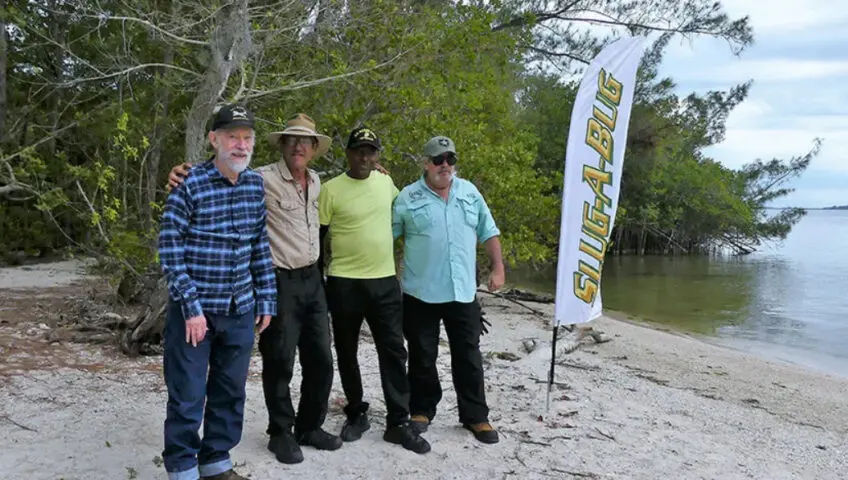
439, 145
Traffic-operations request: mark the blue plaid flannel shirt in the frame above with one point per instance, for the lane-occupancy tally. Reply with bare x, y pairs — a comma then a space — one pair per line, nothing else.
213, 245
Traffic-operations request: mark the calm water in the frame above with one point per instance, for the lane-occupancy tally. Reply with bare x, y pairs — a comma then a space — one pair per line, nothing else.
788, 301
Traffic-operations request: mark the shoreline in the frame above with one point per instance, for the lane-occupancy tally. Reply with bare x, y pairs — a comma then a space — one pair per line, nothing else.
648, 404
768, 351
813, 360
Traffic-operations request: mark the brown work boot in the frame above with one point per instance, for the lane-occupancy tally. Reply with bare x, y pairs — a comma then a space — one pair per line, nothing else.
228, 475
483, 432
419, 423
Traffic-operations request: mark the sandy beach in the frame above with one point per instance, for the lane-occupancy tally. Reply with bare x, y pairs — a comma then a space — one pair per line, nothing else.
648, 404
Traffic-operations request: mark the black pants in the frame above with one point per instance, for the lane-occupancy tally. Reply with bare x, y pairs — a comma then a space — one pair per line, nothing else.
379, 302
462, 324
301, 323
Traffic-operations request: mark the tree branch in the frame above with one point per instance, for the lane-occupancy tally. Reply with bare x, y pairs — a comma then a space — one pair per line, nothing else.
63, 47
206, 18
12, 178
535, 17
312, 83
104, 17
637, 25
90, 251
15, 187
45, 139
557, 54
91, 207
77, 81
242, 86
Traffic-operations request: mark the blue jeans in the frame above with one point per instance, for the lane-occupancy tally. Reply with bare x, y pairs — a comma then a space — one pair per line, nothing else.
225, 354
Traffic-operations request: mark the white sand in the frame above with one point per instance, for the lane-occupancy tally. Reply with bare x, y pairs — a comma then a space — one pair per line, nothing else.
647, 405
43, 275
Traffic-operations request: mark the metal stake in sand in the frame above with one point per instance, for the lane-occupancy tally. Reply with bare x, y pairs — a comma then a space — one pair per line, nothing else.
553, 365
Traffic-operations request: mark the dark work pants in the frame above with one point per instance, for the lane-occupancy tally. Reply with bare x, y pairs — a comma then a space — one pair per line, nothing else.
301, 323
378, 301
225, 353
462, 324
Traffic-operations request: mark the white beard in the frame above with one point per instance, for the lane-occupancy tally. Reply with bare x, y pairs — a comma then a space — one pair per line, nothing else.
238, 167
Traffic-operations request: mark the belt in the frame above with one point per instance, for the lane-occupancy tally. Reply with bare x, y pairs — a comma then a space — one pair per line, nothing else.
298, 273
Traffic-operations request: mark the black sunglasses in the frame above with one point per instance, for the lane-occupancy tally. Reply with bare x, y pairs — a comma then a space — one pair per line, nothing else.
445, 157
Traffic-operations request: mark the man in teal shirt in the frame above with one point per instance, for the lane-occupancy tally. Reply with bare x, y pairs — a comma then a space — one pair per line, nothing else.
442, 218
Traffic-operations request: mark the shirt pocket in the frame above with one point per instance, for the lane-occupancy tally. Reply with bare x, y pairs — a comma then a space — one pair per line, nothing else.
285, 205
469, 211
285, 214
420, 216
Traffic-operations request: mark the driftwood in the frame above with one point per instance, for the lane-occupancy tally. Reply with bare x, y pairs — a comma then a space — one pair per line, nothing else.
145, 333
19, 425
516, 296
511, 297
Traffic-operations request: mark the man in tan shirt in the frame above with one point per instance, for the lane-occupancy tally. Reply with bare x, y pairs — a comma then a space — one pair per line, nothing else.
291, 197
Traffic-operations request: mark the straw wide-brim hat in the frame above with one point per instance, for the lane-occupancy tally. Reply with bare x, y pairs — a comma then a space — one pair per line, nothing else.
301, 125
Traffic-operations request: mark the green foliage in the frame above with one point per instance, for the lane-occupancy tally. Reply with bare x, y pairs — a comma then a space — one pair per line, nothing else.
97, 110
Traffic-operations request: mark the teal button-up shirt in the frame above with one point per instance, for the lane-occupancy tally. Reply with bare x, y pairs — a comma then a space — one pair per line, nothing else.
440, 240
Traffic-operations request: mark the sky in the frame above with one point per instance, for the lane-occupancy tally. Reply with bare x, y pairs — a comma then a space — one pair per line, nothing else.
799, 65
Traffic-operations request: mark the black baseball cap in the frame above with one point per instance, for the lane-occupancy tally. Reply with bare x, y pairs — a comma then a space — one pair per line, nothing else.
363, 136
231, 116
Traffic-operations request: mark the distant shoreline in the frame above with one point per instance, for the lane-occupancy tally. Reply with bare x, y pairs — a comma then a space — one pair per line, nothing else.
834, 207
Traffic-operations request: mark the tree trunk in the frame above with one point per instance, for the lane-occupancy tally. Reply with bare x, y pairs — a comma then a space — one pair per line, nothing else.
3, 63
643, 237
145, 334
57, 32
619, 233
159, 134
229, 47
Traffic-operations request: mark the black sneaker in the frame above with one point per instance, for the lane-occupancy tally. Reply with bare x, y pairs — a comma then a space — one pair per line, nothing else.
353, 428
320, 439
405, 435
285, 448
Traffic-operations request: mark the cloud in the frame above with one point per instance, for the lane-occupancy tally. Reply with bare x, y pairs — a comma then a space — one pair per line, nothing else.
749, 111
797, 63
764, 71
787, 16
743, 146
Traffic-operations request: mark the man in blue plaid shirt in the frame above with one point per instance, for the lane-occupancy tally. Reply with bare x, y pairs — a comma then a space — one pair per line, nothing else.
213, 248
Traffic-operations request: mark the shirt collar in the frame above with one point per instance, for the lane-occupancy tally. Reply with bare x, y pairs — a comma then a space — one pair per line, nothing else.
423, 185
285, 172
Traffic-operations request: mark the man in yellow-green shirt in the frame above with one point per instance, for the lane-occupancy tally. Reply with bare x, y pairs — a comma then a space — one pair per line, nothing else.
355, 210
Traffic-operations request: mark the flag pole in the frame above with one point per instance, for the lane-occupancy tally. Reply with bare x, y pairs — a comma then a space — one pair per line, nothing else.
553, 365
594, 157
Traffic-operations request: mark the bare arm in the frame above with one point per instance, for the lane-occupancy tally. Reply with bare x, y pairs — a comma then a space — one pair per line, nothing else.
498, 275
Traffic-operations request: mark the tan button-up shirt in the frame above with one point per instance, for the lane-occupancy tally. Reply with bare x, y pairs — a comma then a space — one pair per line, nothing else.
292, 216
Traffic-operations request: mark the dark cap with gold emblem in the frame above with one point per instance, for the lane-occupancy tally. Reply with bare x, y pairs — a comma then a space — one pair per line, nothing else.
364, 136
232, 116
